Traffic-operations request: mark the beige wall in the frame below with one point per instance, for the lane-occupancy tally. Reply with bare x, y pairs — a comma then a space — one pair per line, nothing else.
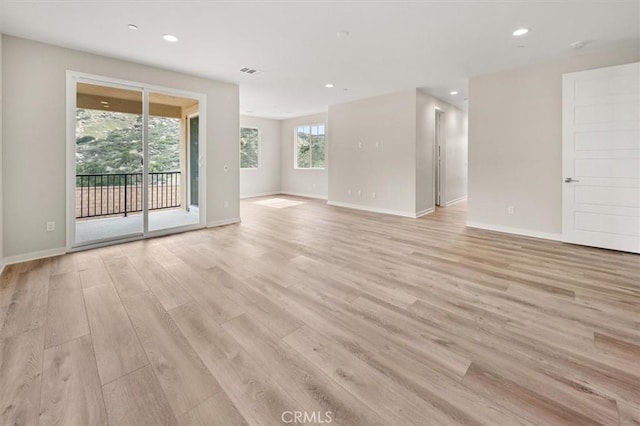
266, 178
34, 89
453, 156
388, 170
515, 143
312, 183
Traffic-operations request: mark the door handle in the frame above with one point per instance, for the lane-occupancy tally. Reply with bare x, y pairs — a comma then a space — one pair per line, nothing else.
570, 180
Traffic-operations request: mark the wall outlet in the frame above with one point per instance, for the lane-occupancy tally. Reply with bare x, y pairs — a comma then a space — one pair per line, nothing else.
373, 195
226, 204
511, 209
359, 193
360, 145
377, 144
51, 226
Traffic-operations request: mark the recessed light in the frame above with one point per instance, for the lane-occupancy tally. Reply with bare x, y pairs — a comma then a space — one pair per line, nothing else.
453, 93
328, 85
104, 102
520, 32
132, 27
106, 106
170, 37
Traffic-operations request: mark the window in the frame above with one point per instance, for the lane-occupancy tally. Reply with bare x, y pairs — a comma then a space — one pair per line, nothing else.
249, 141
310, 147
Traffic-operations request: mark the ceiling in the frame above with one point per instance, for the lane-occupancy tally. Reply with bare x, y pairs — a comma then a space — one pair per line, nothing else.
392, 45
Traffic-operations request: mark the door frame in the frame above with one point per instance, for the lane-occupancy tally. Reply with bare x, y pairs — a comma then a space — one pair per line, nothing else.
439, 148
188, 159
74, 77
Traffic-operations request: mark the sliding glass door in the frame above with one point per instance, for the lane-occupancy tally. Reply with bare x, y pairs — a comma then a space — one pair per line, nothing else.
171, 160
108, 163
134, 163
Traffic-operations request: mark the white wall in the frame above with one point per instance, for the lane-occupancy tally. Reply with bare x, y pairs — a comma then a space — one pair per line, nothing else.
457, 144
425, 152
453, 156
312, 183
34, 138
266, 178
1, 171
515, 143
388, 170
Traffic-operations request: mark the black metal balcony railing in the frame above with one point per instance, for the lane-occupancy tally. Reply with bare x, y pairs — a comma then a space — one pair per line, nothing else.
121, 193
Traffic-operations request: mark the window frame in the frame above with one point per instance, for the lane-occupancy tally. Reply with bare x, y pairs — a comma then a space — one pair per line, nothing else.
259, 150
295, 147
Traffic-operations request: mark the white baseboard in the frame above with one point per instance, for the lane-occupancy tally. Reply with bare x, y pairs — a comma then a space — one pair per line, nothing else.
259, 194
223, 222
371, 209
34, 255
457, 200
298, 194
516, 231
2, 267
425, 212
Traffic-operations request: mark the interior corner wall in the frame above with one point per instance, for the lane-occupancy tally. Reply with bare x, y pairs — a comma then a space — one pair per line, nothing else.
454, 155
303, 182
34, 139
264, 180
372, 151
515, 143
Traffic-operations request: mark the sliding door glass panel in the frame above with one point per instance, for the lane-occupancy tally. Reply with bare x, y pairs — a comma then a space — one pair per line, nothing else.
108, 184
194, 159
172, 163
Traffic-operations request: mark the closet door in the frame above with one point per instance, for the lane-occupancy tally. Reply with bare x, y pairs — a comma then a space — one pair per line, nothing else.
601, 158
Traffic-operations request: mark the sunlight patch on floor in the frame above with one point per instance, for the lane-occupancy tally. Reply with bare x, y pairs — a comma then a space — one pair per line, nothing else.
279, 203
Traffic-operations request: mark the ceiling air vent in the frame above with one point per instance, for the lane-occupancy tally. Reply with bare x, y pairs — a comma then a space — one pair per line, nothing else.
248, 70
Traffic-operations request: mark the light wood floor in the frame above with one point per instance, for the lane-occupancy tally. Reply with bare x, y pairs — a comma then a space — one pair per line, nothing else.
376, 319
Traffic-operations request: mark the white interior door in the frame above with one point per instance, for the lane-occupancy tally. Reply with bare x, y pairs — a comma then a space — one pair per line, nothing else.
601, 158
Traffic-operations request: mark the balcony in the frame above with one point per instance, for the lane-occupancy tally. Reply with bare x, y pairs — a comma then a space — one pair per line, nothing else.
120, 194
110, 205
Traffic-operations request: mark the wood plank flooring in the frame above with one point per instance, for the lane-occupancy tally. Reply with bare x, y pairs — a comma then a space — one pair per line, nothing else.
365, 318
